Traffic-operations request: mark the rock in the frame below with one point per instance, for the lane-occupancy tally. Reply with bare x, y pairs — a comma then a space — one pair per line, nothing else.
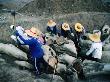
67, 59
106, 67
72, 78
9, 73
48, 78
24, 64
52, 62
11, 50
2, 60
91, 67
61, 40
85, 44
70, 47
106, 47
105, 57
49, 55
61, 68
48, 50
95, 68
49, 36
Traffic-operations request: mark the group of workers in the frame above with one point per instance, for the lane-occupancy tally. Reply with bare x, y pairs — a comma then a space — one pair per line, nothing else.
35, 39
76, 34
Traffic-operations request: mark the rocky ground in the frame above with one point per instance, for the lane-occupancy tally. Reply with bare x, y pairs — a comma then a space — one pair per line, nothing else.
90, 20
92, 16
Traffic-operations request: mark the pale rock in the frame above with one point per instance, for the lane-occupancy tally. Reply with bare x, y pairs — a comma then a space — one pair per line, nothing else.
105, 57
49, 78
106, 67
106, 47
48, 52
24, 64
71, 47
61, 68
11, 50
66, 58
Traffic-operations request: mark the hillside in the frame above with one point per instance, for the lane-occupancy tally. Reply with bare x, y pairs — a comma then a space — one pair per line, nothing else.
13, 4
49, 7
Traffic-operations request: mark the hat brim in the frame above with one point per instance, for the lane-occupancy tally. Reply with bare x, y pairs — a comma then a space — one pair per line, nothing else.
51, 24
28, 32
67, 27
78, 27
78, 30
95, 38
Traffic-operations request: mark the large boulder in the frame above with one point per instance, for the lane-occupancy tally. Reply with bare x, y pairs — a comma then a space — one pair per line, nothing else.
9, 73
11, 50
106, 67
49, 78
92, 67
70, 48
64, 58
106, 47
105, 57
24, 64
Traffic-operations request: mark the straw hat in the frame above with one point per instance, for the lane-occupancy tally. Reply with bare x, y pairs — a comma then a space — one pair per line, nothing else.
51, 23
95, 37
65, 26
97, 31
34, 32
78, 27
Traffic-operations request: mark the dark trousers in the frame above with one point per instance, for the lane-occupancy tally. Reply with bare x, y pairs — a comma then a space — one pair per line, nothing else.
90, 58
37, 65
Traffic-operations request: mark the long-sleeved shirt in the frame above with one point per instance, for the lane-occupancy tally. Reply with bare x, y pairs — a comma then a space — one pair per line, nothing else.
65, 33
34, 45
52, 30
96, 50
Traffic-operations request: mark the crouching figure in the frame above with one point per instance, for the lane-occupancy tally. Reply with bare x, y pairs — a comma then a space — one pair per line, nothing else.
95, 51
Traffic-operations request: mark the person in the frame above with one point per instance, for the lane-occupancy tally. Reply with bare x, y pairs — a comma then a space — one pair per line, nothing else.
30, 38
79, 31
51, 27
65, 30
95, 52
105, 31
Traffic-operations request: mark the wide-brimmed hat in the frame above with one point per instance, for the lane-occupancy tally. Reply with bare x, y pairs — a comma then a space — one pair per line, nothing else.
79, 27
95, 37
51, 23
97, 31
34, 32
65, 26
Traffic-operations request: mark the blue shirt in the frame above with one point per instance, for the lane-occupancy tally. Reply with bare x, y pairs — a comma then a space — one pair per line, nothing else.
34, 46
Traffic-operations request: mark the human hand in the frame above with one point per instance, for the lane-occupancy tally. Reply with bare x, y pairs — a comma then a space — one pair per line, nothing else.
19, 28
13, 37
12, 26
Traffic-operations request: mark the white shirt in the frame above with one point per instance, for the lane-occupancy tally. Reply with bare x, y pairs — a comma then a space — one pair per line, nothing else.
96, 50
